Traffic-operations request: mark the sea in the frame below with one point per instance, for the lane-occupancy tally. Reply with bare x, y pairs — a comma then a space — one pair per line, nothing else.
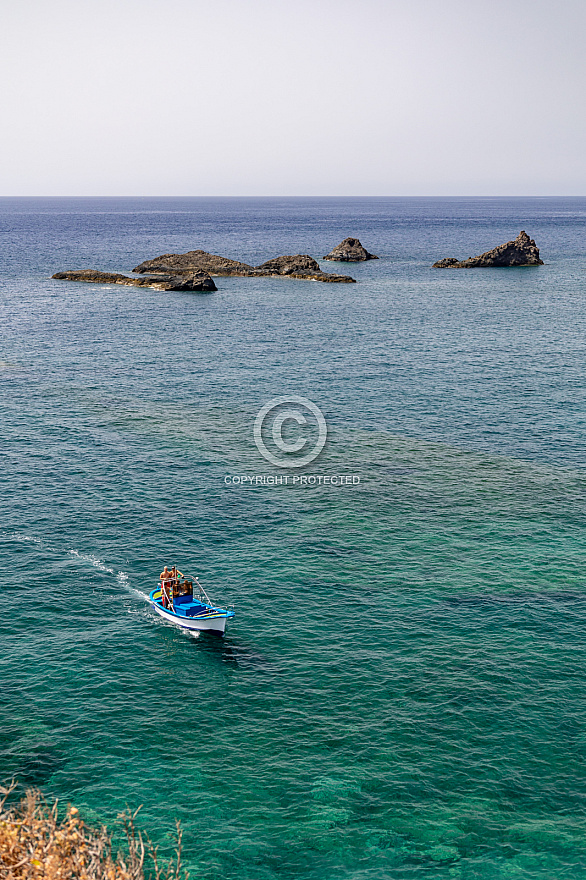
401, 692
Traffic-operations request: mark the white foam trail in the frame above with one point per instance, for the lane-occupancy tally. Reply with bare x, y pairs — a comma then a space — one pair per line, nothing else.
93, 560
17, 536
121, 577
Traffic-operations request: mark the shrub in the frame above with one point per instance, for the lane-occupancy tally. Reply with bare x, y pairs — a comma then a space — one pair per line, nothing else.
36, 844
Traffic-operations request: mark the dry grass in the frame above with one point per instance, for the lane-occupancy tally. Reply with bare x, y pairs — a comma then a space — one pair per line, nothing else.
35, 844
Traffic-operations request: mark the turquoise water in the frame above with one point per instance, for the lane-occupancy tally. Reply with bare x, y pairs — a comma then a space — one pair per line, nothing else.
401, 692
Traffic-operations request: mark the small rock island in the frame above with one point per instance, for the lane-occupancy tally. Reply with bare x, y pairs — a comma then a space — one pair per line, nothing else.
521, 252
349, 251
195, 281
192, 271
296, 266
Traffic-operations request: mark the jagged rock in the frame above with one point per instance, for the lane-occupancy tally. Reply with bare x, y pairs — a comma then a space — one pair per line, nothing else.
298, 266
289, 265
192, 261
521, 252
193, 281
350, 251
448, 263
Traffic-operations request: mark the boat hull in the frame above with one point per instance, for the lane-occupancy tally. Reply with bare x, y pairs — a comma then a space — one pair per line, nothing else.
214, 622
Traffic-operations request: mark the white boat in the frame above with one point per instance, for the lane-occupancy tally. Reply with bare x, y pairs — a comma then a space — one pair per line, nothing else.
175, 601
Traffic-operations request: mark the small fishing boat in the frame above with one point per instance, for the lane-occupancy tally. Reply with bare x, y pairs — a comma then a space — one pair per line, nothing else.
176, 601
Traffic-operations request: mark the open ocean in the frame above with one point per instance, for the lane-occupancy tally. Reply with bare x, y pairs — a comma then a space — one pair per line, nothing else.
401, 693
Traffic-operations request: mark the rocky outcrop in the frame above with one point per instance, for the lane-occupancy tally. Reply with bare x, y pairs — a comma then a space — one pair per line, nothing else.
192, 282
521, 252
90, 275
297, 266
195, 261
195, 281
350, 251
448, 263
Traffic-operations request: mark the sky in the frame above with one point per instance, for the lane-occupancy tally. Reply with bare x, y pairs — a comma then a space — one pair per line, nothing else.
296, 98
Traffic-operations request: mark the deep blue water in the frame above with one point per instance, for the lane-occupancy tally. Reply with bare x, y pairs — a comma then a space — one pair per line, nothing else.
401, 692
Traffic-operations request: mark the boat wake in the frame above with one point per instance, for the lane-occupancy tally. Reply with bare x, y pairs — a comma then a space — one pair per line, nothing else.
96, 562
18, 536
93, 560
121, 576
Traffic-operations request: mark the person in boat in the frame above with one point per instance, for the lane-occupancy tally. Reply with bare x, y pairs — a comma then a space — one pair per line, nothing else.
176, 574
166, 577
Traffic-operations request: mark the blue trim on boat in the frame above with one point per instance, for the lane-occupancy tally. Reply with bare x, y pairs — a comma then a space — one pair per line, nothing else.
206, 612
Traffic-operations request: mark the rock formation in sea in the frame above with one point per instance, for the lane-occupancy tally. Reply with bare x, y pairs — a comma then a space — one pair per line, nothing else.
521, 252
195, 281
297, 266
195, 261
350, 251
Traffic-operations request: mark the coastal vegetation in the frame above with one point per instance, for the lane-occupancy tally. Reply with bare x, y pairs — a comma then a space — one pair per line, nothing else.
39, 841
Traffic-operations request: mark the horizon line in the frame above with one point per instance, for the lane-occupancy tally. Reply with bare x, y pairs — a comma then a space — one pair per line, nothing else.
129, 196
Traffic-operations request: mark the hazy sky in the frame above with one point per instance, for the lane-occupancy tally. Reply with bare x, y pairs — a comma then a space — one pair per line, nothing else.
306, 97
